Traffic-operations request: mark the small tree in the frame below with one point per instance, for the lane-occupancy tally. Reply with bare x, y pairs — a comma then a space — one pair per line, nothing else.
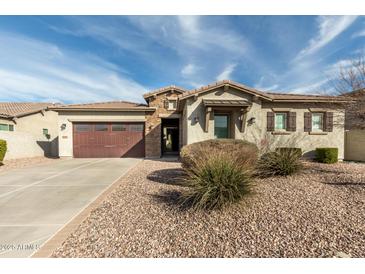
3, 148
349, 80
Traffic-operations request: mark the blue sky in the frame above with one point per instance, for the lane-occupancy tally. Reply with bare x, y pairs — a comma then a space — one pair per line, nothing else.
84, 59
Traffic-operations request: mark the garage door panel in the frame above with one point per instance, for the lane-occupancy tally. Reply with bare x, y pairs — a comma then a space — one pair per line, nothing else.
96, 140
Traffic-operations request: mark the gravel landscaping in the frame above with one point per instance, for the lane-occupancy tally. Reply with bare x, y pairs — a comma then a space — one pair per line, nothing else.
24, 162
317, 213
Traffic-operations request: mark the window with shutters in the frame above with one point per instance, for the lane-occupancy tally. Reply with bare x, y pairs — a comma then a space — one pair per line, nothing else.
281, 121
317, 121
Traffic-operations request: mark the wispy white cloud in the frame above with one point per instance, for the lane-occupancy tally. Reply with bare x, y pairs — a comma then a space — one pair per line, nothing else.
267, 88
262, 83
200, 36
33, 70
329, 27
359, 34
318, 87
226, 73
192, 39
189, 70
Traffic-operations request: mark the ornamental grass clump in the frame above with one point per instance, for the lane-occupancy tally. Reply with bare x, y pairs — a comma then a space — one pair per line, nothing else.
217, 177
281, 162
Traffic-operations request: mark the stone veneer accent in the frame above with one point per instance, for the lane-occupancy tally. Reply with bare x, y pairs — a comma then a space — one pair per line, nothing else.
153, 122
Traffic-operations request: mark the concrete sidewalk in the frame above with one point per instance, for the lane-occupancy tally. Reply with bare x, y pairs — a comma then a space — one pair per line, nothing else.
35, 202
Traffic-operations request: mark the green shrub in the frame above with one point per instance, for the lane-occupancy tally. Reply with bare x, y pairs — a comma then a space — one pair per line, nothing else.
281, 162
328, 155
3, 149
219, 172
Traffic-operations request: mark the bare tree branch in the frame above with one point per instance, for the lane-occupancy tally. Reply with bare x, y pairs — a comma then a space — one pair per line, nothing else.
349, 80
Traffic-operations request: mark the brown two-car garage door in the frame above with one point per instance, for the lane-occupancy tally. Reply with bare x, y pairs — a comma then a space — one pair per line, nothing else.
99, 140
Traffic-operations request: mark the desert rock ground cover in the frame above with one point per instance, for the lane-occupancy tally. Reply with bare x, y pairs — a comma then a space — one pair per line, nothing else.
24, 162
317, 213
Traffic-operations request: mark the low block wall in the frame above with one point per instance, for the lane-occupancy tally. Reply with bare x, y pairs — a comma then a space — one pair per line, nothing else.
355, 145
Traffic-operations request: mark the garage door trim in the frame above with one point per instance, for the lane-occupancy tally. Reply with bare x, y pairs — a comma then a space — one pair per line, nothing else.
99, 139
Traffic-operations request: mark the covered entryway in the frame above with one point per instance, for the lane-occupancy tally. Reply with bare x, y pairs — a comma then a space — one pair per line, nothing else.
108, 140
170, 136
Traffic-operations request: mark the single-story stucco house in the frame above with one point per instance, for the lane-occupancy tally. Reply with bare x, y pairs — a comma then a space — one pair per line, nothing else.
173, 117
30, 129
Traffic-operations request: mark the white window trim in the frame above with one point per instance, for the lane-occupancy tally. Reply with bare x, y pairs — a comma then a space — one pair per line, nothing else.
172, 101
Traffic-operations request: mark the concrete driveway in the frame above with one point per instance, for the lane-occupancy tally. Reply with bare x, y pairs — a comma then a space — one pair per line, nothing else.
35, 202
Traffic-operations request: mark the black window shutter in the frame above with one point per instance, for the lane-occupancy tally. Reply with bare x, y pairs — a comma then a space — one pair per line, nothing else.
292, 121
270, 121
307, 121
328, 121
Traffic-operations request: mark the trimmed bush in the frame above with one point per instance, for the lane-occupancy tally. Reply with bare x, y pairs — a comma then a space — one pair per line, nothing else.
238, 149
218, 172
328, 155
281, 162
3, 148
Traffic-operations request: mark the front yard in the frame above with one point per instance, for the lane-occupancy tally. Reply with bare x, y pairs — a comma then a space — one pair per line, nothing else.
317, 213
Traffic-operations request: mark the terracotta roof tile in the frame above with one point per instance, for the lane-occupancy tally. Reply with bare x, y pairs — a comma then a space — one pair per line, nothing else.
164, 89
15, 109
111, 105
355, 93
266, 95
222, 83
289, 97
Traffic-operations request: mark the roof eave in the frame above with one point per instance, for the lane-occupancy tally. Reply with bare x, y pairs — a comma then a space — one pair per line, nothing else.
105, 109
162, 90
222, 85
311, 100
11, 117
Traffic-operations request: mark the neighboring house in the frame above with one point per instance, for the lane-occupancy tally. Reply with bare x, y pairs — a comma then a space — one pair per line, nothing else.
174, 117
355, 126
30, 129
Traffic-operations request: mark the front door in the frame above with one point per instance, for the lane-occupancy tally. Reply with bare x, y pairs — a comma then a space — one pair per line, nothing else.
221, 126
170, 136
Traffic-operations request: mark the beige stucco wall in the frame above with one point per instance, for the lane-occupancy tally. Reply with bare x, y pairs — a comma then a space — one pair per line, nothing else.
355, 145
195, 108
65, 135
257, 132
27, 139
309, 141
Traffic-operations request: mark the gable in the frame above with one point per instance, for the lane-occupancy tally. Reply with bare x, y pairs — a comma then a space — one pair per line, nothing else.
164, 91
222, 93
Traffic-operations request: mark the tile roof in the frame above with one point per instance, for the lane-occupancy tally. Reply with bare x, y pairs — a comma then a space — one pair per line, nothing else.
225, 102
355, 93
265, 95
15, 109
223, 83
164, 89
111, 105
304, 97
